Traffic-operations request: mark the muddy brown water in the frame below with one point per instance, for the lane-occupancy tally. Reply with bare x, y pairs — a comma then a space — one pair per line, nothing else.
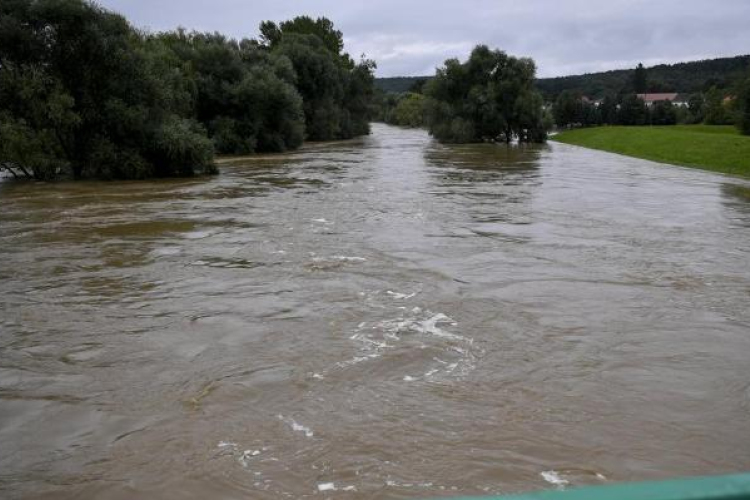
384, 318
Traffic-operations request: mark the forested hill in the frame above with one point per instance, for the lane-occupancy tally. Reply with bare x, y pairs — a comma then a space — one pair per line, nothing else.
686, 77
398, 84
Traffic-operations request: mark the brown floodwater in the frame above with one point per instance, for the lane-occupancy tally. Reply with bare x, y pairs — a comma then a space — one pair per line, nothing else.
381, 318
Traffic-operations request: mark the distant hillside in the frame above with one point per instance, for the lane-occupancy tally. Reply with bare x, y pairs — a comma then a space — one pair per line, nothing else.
398, 84
686, 77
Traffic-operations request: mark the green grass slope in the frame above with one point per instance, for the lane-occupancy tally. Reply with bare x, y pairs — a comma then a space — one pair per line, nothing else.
721, 149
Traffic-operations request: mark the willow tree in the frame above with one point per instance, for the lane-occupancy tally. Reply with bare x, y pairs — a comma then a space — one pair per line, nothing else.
489, 97
336, 91
81, 95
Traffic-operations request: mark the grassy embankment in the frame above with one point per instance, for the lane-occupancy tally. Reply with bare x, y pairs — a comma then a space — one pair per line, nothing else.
717, 148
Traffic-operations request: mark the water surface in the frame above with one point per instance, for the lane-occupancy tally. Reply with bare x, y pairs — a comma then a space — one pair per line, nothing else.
382, 318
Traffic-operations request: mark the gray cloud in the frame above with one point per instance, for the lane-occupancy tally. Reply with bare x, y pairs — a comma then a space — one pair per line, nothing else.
412, 37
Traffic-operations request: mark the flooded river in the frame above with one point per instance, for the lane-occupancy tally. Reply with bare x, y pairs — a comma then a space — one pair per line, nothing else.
381, 318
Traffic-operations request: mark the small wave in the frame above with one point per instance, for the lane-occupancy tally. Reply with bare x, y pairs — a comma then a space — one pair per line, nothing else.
347, 258
296, 427
377, 338
333, 262
553, 477
332, 487
246, 456
356, 360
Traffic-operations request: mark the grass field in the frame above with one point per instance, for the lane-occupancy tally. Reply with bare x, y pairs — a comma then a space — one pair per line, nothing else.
717, 148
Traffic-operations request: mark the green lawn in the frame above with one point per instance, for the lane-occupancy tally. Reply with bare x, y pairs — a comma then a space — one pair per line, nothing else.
717, 148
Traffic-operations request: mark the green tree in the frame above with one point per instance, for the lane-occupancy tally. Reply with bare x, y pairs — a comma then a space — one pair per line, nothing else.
663, 113
743, 107
633, 111
81, 94
696, 108
409, 112
336, 91
640, 79
715, 111
608, 110
566, 109
489, 97
242, 94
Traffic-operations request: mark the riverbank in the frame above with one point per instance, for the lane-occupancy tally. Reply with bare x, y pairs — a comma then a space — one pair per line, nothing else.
716, 148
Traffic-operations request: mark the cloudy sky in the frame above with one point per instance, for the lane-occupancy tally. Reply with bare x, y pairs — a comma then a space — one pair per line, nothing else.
412, 37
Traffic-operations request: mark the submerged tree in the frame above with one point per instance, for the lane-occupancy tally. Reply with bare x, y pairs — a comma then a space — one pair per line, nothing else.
84, 94
243, 95
489, 97
335, 90
80, 94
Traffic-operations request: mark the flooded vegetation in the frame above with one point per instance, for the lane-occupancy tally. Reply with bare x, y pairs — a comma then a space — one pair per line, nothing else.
381, 318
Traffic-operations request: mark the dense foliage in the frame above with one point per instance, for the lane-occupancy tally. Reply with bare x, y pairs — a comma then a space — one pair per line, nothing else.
84, 94
335, 90
743, 106
489, 97
243, 95
405, 110
80, 93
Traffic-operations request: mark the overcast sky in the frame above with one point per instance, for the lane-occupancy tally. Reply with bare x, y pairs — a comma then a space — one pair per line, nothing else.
412, 37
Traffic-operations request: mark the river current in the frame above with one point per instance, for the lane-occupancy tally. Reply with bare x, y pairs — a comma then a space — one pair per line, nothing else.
379, 318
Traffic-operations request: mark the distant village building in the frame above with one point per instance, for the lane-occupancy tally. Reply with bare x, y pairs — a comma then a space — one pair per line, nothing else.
673, 97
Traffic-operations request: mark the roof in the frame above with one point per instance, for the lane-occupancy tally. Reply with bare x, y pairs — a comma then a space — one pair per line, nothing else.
665, 96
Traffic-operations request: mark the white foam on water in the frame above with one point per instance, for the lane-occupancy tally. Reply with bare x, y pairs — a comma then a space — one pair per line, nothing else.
376, 338
367, 340
297, 427
347, 258
196, 235
400, 296
338, 258
429, 326
357, 359
226, 444
553, 477
246, 455
327, 487
166, 251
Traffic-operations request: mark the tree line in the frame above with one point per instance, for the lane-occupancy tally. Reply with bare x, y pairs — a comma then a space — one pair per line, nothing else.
713, 107
86, 95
